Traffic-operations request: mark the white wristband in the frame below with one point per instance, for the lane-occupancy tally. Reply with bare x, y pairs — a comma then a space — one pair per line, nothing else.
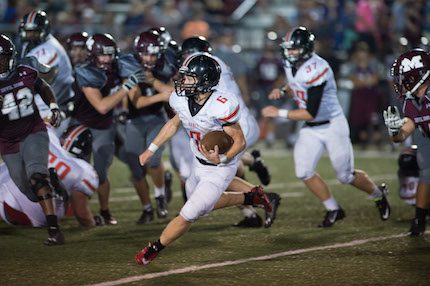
153, 148
283, 113
53, 105
223, 159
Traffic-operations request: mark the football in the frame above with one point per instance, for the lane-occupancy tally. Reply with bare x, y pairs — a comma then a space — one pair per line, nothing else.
220, 138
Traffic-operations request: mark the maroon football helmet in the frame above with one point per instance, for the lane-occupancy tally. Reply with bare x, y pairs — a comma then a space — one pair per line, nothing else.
409, 71
77, 40
7, 57
148, 43
99, 45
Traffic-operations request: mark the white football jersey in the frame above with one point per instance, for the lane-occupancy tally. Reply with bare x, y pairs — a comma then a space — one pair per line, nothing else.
52, 54
314, 72
220, 108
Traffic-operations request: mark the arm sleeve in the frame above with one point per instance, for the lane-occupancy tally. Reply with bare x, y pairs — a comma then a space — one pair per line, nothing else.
315, 94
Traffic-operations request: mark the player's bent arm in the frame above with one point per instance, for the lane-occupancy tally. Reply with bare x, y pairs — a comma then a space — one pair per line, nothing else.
239, 143
50, 76
103, 104
169, 129
81, 209
299, 114
163, 87
404, 132
140, 101
45, 91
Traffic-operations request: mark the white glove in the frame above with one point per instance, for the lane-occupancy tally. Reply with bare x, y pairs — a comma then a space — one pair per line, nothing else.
393, 121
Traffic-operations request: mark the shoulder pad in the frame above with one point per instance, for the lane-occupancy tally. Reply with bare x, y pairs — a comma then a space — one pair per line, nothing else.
89, 76
46, 54
228, 108
34, 63
127, 65
319, 72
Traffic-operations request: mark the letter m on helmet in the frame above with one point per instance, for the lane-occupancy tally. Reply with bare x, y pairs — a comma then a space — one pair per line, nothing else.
414, 63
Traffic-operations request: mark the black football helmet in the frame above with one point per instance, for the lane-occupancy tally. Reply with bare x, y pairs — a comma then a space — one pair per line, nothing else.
409, 71
194, 45
77, 140
407, 161
7, 57
299, 38
36, 21
205, 71
102, 44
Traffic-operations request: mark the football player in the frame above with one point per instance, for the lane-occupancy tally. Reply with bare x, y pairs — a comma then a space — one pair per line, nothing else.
411, 75
77, 177
37, 41
201, 109
24, 140
249, 126
310, 81
146, 117
100, 91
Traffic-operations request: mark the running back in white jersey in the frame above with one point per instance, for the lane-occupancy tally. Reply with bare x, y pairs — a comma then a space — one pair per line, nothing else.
220, 108
314, 72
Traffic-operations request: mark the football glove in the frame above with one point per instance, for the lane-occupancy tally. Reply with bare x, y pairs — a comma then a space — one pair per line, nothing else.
55, 119
134, 80
393, 121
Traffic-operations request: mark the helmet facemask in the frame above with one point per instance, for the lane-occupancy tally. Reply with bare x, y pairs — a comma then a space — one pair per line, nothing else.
186, 89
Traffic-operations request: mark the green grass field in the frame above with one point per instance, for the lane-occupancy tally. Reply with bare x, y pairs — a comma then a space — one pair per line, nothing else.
106, 253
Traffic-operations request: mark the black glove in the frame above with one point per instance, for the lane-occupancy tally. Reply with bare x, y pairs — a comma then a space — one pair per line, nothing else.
55, 119
133, 80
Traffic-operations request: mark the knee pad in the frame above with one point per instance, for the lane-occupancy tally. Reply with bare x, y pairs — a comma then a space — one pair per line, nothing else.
346, 178
38, 181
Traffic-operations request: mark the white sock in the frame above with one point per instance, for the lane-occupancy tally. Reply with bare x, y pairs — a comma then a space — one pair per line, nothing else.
331, 204
377, 193
159, 191
249, 211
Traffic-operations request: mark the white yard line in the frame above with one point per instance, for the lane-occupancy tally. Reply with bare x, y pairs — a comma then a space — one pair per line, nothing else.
194, 268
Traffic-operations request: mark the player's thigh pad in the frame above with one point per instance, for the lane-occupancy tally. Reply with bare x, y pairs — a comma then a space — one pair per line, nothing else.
339, 148
103, 150
423, 157
307, 152
212, 182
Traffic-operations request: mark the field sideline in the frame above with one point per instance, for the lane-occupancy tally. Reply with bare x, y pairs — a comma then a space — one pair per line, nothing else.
360, 250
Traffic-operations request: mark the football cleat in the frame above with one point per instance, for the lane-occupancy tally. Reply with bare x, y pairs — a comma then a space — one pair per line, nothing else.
275, 200
259, 167
249, 222
108, 218
99, 220
146, 217
161, 207
417, 228
260, 199
382, 203
146, 255
331, 217
168, 176
55, 239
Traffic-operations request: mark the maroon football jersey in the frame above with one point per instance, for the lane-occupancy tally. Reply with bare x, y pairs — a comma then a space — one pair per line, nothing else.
19, 115
419, 112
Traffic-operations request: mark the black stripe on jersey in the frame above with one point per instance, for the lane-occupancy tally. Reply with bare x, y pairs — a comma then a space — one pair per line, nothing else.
315, 94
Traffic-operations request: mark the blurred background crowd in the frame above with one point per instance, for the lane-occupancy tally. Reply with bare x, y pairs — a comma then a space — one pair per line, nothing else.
359, 38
